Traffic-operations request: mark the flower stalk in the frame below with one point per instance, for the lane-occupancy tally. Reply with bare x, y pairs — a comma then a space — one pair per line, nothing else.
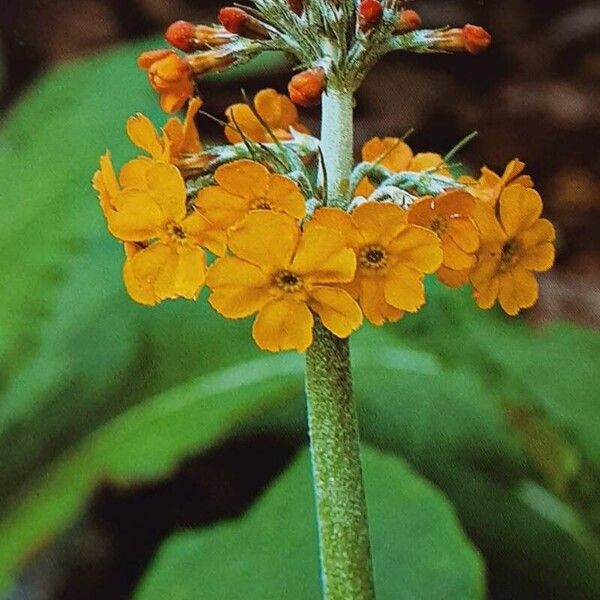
346, 569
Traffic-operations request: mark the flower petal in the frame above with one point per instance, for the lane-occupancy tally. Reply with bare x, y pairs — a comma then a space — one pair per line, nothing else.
454, 257
156, 266
204, 233
453, 278
134, 173
143, 134
518, 289
139, 290
541, 231
397, 153
417, 248
519, 209
167, 187
486, 293
283, 324
265, 238
239, 289
244, 178
338, 311
538, 258
379, 222
340, 220
464, 234
137, 217
373, 302
222, 207
323, 256
191, 272
284, 195
404, 289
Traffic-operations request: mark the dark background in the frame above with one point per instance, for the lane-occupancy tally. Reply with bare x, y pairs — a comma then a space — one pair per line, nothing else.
535, 94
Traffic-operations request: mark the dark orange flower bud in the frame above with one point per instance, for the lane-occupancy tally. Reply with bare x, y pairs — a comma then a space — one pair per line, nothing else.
297, 6
476, 38
369, 14
305, 89
189, 37
238, 21
408, 20
181, 35
470, 38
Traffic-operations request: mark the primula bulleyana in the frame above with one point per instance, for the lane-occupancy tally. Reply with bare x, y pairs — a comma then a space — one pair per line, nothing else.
396, 155
170, 76
490, 185
392, 258
178, 144
275, 109
165, 258
450, 216
514, 245
245, 185
285, 274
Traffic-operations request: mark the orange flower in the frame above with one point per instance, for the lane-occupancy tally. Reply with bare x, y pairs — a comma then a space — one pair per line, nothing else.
512, 249
276, 110
165, 258
450, 217
170, 76
490, 185
245, 185
393, 257
283, 274
177, 142
397, 157
106, 184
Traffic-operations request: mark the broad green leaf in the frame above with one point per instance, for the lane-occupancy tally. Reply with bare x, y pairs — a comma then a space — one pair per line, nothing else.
419, 550
146, 442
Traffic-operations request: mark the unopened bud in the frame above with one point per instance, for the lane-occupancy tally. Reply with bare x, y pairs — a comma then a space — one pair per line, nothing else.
408, 20
305, 88
297, 6
189, 37
470, 38
238, 21
210, 61
369, 14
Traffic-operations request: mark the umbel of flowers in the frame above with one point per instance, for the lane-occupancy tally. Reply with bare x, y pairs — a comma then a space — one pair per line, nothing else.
283, 226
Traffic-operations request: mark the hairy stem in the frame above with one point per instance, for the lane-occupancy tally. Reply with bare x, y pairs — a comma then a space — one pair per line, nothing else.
346, 569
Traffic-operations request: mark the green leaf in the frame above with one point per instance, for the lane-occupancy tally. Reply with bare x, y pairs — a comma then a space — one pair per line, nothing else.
144, 443
419, 550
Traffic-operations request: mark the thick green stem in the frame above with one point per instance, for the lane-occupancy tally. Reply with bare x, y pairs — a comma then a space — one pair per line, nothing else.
337, 473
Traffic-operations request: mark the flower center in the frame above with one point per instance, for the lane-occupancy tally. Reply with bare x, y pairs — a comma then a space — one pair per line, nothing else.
176, 233
373, 257
509, 256
261, 204
439, 225
288, 281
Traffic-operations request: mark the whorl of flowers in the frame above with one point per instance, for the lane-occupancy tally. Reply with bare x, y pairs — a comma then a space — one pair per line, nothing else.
251, 220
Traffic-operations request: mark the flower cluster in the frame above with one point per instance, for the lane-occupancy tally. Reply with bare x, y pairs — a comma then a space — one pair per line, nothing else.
250, 220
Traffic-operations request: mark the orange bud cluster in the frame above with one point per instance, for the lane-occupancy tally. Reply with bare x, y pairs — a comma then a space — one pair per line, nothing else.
408, 20
369, 14
306, 88
188, 37
297, 6
238, 21
470, 38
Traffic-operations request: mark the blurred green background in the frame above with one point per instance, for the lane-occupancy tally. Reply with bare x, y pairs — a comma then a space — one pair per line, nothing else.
157, 453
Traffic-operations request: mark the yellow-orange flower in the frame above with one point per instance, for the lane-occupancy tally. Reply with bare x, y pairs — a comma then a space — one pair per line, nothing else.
450, 216
164, 251
245, 185
284, 274
490, 185
393, 257
397, 156
106, 184
513, 247
170, 76
276, 110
